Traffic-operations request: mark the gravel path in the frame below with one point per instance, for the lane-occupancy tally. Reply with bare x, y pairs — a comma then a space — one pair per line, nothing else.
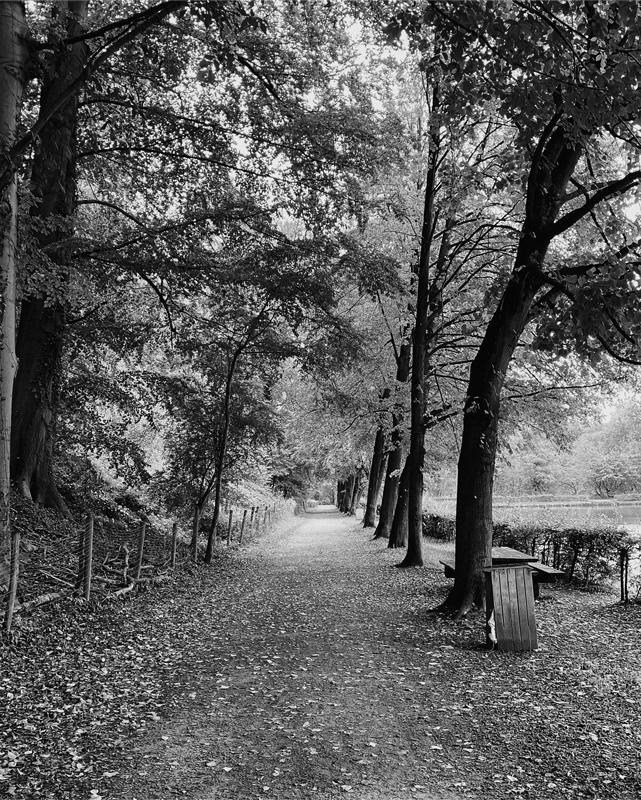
310, 679
310, 668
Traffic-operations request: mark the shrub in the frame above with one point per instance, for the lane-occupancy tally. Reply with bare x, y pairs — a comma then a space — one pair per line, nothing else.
588, 555
439, 527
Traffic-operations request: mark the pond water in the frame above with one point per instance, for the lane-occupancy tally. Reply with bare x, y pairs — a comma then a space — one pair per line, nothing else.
628, 514
620, 513
558, 514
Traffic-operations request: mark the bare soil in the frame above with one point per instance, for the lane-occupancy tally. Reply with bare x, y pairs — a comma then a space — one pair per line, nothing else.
307, 666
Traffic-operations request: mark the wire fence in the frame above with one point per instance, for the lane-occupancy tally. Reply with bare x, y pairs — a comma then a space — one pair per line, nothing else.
105, 561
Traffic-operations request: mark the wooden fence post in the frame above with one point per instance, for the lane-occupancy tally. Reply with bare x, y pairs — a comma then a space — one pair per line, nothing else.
88, 556
242, 527
125, 563
14, 566
624, 561
141, 549
174, 541
257, 518
231, 516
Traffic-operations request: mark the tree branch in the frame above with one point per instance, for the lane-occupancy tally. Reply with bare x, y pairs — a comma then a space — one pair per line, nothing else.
162, 9
609, 190
21, 146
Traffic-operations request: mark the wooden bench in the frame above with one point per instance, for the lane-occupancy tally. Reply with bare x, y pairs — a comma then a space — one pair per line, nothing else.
541, 573
449, 570
546, 573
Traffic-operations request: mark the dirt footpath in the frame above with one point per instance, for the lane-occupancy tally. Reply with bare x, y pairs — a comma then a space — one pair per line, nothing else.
311, 668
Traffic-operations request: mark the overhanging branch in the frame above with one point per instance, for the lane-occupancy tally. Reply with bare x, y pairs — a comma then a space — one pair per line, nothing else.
609, 190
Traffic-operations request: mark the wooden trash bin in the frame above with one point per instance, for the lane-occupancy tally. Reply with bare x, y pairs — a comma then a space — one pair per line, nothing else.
511, 624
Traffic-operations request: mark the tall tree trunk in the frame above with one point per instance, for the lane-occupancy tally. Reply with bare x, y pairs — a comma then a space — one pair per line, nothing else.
416, 455
36, 392
393, 469
399, 532
13, 79
222, 453
478, 446
375, 478
347, 495
42, 318
553, 164
357, 491
396, 456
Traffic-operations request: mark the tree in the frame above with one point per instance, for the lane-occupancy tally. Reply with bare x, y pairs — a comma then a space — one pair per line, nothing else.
453, 235
67, 65
13, 79
376, 476
53, 182
263, 91
607, 456
562, 115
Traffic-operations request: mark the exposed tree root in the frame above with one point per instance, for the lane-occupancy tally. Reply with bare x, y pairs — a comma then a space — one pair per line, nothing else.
459, 604
53, 499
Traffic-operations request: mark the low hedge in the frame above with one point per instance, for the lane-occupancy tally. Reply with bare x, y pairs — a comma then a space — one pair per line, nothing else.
436, 527
587, 555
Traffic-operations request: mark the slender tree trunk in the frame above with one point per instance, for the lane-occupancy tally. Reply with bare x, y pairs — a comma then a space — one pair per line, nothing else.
396, 457
42, 317
416, 455
8, 220
221, 456
357, 491
395, 460
382, 471
13, 79
375, 476
399, 531
347, 495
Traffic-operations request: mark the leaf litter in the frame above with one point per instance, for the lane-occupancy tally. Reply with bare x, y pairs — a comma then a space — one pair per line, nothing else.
306, 666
